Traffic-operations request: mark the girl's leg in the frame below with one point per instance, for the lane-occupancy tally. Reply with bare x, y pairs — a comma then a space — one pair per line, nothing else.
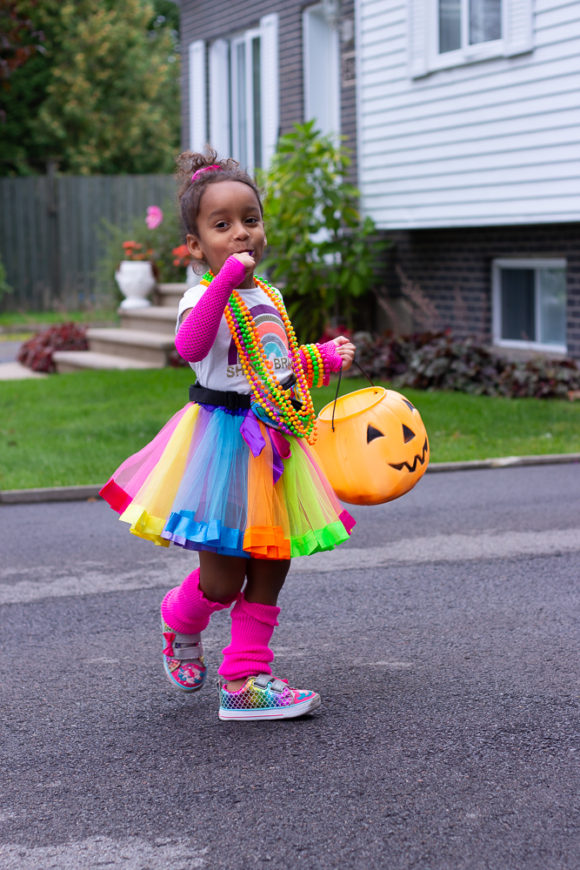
186, 611
250, 691
254, 617
265, 579
212, 586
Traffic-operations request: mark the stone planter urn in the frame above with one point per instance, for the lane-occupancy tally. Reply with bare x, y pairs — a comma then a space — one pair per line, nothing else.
136, 281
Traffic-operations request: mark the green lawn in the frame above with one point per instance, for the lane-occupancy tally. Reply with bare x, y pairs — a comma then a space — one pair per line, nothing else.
75, 429
24, 322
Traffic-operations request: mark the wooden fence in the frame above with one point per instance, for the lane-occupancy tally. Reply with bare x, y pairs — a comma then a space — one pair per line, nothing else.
51, 238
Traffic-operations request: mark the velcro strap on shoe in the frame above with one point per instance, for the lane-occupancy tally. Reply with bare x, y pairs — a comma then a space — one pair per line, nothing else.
262, 681
187, 652
187, 647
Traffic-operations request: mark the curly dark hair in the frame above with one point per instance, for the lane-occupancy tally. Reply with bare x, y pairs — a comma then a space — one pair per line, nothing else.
190, 192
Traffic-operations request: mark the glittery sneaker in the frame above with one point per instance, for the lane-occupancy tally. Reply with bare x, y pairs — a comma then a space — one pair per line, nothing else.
183, 659
265, 697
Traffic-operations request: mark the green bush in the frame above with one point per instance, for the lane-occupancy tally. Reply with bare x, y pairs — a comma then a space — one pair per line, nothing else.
437, 361
319, 247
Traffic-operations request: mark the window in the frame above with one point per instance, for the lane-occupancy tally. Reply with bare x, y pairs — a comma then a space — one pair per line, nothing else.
245, 107
241, 93
449, 33
529, 304
468, 22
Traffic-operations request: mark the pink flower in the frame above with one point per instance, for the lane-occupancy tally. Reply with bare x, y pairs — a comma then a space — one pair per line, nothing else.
154, 217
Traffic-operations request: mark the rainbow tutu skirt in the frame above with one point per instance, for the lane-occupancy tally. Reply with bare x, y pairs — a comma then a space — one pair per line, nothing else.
221, 480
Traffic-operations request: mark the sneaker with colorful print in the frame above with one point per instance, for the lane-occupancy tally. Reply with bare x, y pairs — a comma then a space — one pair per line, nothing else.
183, 659
265, 697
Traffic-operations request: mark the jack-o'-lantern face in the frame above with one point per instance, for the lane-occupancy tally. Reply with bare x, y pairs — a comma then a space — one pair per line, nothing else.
379, 447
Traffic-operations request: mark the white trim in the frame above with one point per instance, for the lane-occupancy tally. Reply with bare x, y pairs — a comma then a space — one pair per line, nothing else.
219, 97
359, 90
518, 24
270, 86
197, 96
331, 86
535, 264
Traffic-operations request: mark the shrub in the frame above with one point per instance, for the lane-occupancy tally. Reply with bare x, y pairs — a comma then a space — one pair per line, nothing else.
319, 249
437, 361
37, 352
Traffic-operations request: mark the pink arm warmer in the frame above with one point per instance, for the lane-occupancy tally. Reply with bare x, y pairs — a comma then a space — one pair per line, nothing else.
198, 331
331, 359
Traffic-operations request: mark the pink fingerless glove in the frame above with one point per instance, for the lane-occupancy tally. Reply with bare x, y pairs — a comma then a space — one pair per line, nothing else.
198, 331
331, 359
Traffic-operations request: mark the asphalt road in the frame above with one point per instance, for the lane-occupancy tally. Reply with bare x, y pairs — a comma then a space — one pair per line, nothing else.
443, 639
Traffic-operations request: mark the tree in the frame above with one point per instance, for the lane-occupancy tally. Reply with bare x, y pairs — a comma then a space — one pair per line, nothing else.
27, 28
19, 38
105, 96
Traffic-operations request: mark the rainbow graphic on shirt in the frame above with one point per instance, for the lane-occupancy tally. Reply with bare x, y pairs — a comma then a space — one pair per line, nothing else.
271, 333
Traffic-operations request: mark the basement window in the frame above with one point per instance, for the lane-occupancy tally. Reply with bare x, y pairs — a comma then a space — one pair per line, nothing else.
529, 304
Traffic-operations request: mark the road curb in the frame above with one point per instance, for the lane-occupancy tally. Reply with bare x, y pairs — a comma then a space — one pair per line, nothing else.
84, 493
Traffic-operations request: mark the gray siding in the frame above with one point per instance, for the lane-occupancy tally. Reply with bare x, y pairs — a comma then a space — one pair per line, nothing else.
211, 19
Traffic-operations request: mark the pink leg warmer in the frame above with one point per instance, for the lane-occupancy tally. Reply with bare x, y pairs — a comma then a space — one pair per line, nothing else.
186, 609
252, 627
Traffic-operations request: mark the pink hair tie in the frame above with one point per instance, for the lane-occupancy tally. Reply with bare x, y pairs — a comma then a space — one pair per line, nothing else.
204, 169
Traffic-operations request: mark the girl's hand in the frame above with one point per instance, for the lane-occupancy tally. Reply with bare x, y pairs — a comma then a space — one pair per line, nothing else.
345, 349
247, 261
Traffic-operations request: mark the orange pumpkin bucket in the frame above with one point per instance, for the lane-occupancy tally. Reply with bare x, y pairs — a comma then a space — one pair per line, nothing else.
372, 445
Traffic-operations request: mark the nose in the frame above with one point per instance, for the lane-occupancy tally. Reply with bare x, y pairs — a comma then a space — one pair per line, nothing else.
241, 230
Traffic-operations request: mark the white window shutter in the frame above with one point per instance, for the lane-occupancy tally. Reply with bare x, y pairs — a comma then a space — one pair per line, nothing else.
219, 98
197, 97
269, 80
418, 35
518, 20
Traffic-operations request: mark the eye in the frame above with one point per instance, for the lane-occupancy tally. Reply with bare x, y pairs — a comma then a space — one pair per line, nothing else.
221, 225
408, 404
408, 434
252, 220
373, 433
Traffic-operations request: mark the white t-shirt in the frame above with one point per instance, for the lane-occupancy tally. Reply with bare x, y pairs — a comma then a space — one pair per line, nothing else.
221, 369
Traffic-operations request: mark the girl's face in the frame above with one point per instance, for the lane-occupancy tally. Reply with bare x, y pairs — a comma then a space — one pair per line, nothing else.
229, 222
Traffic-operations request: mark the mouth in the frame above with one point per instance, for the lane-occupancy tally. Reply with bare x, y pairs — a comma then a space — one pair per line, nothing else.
418, 460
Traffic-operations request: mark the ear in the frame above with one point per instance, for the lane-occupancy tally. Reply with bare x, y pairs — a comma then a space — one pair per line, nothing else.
194, 247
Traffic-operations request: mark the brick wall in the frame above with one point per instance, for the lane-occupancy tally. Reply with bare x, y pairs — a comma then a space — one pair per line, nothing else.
452, 268
210, 19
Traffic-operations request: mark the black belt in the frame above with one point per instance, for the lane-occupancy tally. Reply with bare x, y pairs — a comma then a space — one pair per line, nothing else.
231, 400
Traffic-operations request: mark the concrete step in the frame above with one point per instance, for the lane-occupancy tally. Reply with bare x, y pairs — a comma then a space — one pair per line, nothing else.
80, 360
155, 319
168, 295
148, 347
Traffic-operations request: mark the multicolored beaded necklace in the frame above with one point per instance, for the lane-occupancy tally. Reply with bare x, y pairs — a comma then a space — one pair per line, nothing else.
258, 369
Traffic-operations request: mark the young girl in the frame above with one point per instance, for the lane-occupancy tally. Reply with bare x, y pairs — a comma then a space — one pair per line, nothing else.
231, 474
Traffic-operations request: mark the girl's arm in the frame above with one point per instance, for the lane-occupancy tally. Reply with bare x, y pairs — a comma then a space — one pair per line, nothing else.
321, 360
199, 328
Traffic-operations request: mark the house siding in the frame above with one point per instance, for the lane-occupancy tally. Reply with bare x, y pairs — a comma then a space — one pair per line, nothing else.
490, 143
209, 20
452, 269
